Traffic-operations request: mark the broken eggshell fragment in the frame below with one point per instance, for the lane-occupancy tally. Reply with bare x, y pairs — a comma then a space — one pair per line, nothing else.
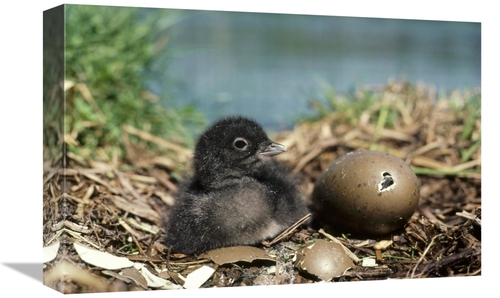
323, 259
227, 255
367, 192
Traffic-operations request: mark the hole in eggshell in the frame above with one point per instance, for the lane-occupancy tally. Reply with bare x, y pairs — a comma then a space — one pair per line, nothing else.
387, 182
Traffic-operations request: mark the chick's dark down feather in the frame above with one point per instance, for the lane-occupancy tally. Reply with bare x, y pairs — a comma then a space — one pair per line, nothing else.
238, 195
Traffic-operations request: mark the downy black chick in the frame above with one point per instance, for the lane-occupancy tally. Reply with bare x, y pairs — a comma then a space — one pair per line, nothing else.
239, 195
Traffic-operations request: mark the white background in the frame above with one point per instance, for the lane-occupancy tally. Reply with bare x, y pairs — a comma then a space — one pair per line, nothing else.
21, 141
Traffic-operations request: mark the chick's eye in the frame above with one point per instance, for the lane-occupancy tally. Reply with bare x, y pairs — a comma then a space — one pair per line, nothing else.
240, 144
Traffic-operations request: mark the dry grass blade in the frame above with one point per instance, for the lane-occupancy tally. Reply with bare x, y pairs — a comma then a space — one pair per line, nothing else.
103, 183
182, 152
469, 216
346, 250
313, 154
423, 255
128, 186
137, 207
288, 231
133, 234
87, 95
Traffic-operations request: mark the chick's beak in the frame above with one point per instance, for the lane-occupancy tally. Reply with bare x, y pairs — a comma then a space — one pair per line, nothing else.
273, 149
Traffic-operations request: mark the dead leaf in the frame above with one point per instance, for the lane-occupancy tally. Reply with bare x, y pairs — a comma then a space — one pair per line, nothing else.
135, 275
50, 252
66, 270
197, 278
382, 244
101, 259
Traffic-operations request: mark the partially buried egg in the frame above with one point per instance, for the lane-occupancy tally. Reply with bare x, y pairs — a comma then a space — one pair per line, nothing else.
367, 192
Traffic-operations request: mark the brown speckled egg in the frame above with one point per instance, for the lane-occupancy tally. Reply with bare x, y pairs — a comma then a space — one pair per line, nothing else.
367, 192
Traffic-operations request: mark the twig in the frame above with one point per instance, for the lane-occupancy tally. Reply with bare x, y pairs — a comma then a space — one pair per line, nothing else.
128, 186
426, 211
287, 231
132, 233
150, 245
468, 252
469, 216
423, 255
346, 250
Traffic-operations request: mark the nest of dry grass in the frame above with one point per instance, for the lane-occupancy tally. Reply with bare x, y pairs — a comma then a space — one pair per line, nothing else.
117, 206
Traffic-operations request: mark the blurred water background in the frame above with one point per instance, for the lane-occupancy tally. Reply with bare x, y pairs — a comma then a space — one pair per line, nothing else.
269, 66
